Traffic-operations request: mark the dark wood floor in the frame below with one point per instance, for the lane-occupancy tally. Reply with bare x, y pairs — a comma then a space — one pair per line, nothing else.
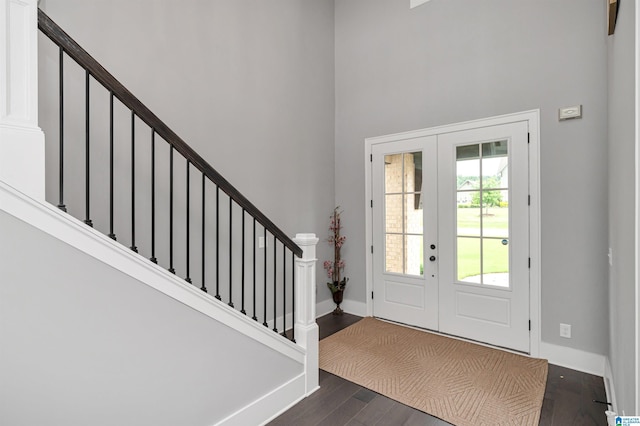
568, 398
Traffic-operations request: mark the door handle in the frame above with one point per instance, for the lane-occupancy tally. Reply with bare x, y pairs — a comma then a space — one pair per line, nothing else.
432, 258
433, 246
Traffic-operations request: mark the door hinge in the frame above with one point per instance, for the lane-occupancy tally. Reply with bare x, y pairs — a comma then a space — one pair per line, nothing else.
528, 137
371, 249
371, 203
529, 200
371, 157
529, 263
371, 295
529, 325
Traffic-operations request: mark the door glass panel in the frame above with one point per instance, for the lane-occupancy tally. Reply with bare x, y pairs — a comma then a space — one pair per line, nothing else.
393, 174
495, 216
469, 255
413, 172
467, 151
393, 213
483, 214
394, 256
414, 255
494, 149
495, 261
495, 171
468, 213
467, 171
404, 213
413, 217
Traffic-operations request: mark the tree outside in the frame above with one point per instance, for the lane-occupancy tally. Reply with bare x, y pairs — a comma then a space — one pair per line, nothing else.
489, 198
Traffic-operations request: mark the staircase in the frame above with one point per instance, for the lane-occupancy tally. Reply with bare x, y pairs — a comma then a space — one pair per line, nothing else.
164, 296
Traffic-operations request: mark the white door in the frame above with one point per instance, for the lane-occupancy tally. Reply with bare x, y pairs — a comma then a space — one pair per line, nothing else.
405, 223
464, 269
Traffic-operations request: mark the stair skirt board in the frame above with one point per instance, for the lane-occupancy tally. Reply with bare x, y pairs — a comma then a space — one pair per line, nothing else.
66, 228
268, 406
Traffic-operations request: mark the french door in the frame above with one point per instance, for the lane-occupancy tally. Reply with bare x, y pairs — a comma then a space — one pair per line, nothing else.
451, 233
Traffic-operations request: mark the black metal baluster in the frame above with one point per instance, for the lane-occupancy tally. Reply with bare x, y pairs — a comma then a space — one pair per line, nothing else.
203, 288
255, 237
61, 205
293, 296
218, 243
173, 271
275, 287
242, 278
284, 290
112, 235
265, 279
87, 152
188, 278
230, 252
133, 182
153, 196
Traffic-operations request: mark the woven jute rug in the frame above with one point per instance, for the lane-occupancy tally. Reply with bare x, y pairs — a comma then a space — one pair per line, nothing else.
459, 382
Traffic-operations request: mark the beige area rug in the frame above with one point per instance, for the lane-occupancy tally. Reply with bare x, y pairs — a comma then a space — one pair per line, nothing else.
459, 382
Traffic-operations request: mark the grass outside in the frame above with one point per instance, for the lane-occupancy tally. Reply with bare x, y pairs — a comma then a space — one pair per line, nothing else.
496, 257
498, 218
495, 254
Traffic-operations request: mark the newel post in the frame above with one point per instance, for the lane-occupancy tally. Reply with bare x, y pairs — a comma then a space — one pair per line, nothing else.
306, 329
21, 140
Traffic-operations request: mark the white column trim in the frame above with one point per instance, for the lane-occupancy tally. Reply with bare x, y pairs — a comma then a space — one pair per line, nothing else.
306, 329
21, 140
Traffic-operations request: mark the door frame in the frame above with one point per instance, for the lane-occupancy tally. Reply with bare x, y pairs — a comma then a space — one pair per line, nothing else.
533, 119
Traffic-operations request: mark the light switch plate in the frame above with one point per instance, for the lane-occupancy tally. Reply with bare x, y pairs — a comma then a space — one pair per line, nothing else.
568, 113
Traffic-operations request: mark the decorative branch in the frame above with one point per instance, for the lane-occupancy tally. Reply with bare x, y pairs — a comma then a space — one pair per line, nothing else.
334, 268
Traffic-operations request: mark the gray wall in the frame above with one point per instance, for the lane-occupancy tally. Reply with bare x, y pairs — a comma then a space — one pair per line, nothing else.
454, 60
249, 85
77, 349
622, 210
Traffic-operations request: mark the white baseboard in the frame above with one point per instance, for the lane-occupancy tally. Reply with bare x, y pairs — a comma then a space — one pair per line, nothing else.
575, 359
609, 387
268, 406
349, 306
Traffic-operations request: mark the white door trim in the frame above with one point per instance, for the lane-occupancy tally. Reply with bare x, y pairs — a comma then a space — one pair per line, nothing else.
533, 118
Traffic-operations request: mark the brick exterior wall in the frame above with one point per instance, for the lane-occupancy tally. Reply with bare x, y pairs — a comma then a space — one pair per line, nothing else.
402, 256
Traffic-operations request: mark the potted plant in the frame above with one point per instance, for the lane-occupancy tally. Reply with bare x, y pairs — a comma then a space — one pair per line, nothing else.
334, 267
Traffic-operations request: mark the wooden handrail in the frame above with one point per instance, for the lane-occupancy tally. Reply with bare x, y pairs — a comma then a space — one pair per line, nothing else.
86, 61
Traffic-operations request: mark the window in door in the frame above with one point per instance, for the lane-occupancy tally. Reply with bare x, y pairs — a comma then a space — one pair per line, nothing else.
403, 213
482, 222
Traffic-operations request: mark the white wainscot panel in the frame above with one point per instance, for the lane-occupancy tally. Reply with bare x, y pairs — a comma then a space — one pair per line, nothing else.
404, 294
484, 308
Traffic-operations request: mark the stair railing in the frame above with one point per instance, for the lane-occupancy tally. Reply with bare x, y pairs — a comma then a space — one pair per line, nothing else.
277, 275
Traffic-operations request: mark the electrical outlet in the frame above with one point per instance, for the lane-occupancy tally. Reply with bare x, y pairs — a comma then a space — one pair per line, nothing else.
610, 256
565, 330
261, 242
